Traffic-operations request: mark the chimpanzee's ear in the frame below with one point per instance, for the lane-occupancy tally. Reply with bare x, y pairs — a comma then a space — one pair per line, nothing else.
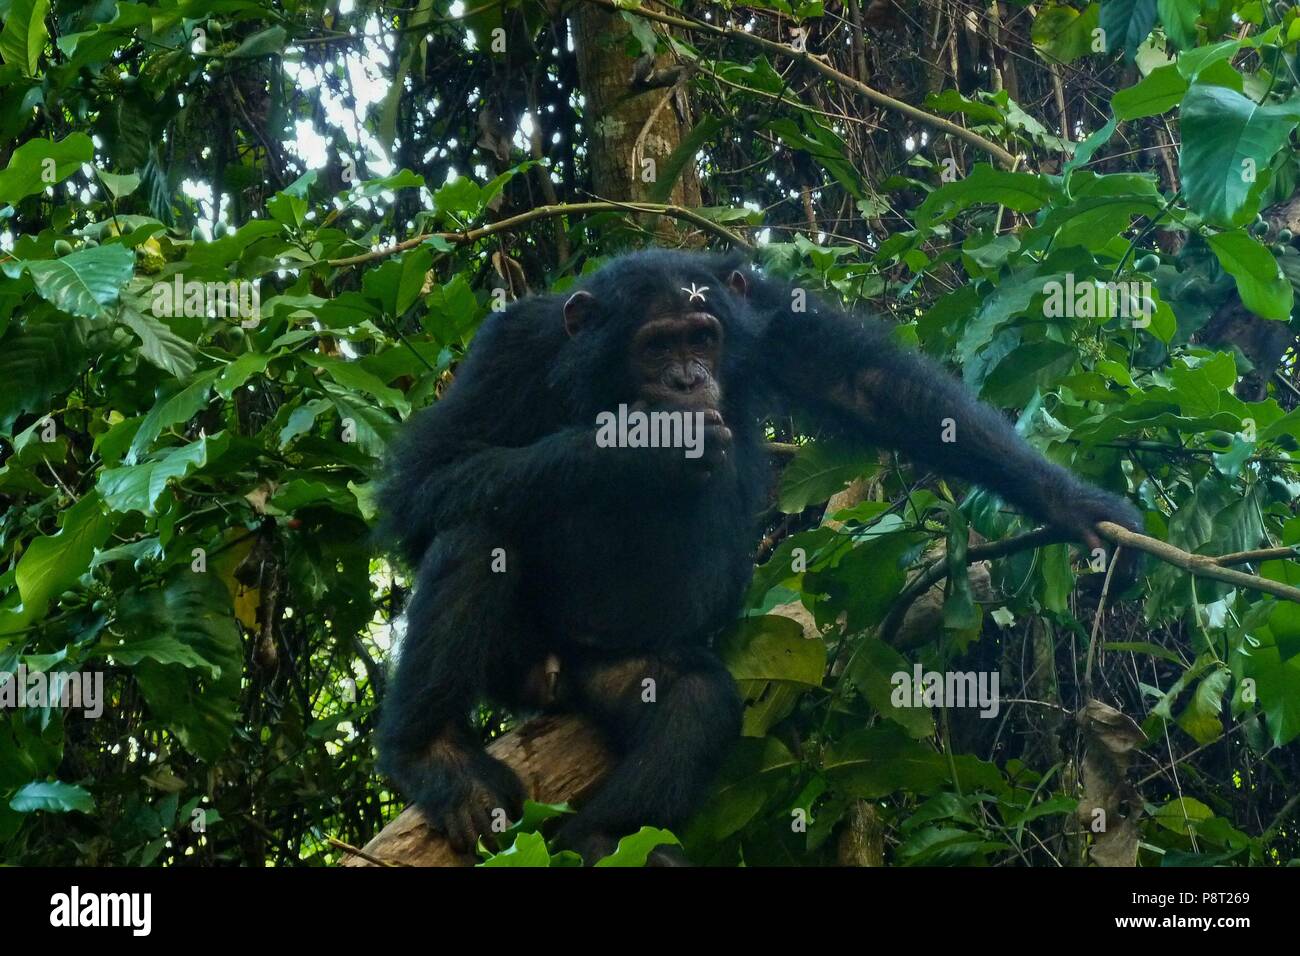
738, 283
578, 311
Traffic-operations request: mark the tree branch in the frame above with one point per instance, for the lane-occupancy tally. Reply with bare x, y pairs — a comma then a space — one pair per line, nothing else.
822, 66
467, 236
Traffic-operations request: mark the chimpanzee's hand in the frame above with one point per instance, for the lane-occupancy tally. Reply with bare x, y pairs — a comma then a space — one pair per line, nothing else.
463, 794
673, 465
1076, 513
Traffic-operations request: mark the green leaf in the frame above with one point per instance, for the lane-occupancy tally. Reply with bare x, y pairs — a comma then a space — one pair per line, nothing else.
1157, 92
1263, 288
1228, 142
1022, 192
874, 763
633, 850
180, 406
159, 345
24, 34
53, 563
1178, 17
84, 282
36, 363
871, 669
1203, 717
38, 163
263, 43
773, 647
198, 705
163, 648
1126, 23
528, 849
238, 372
119, 184
351, 375
818, 471
138, 487
54, 796
1063, 34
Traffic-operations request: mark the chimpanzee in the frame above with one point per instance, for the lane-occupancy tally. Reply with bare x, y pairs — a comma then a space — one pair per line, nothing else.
539, 544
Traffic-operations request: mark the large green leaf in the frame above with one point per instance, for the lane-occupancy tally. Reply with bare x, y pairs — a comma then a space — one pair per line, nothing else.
55, 796
172, 409
1022, 192
138, 487
1228, 141
24, 34
819, 470
84, 282
37, 362
198, 704
1063, 34
38, 163
1126, 23
158, 343
52, 563
1159, 91
1263, 288
1178, 17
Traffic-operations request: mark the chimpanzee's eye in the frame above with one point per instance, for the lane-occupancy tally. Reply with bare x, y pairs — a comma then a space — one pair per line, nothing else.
701, 337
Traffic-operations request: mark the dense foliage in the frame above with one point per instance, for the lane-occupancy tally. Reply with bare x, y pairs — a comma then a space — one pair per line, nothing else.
187, 475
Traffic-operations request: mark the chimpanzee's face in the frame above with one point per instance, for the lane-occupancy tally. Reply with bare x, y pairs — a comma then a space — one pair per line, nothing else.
668, 332
676, 355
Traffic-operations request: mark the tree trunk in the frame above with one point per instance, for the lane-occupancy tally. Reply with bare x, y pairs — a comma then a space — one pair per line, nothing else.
630, 132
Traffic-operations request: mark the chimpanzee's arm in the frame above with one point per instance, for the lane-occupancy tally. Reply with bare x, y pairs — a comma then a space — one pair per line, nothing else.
841, 367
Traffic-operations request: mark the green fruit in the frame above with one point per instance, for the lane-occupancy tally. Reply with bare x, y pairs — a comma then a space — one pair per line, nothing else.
62, 247
1285, 235
1260, 229
1148, 263
127, 228
196, 234
1279, 249
90, 243
1221, 438
220, 230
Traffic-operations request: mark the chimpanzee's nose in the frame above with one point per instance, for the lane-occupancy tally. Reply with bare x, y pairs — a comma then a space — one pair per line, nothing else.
685, 378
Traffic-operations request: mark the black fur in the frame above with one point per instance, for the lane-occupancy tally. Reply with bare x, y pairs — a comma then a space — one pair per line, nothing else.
612, 562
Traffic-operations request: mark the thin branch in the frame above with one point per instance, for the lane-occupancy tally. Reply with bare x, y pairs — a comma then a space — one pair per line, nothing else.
468, 236
822, 66
1200, 565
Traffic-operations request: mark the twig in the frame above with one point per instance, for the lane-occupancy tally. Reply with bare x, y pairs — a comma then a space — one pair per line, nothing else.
358, 852
823, 67
544, 212
1200, 565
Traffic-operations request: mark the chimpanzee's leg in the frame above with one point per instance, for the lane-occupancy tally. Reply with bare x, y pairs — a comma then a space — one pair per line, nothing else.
672, 716
459, 639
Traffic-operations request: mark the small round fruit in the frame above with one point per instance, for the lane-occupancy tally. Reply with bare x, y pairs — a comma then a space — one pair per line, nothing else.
1285, 235
62, 247
1148, 263
1260, 229
220, 230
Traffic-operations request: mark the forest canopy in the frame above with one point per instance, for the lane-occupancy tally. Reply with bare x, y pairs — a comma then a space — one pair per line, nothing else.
242, 241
